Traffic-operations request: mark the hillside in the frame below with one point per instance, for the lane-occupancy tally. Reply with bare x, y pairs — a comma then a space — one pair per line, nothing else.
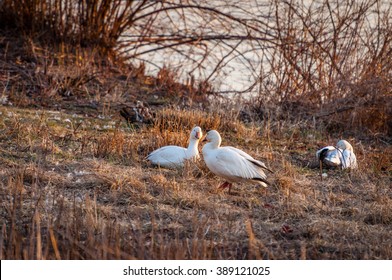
75, 183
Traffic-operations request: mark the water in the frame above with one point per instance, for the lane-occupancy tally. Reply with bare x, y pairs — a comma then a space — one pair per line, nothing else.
237, 52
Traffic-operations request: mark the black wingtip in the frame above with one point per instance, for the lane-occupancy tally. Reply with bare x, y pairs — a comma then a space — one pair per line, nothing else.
255, 162
262, 180
323, 154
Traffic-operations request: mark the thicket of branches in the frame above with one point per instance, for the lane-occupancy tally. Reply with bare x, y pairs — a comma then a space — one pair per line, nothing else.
319, 51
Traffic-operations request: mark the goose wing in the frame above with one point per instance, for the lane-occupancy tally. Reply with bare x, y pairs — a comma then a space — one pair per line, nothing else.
231, 164
329, 155
349, 159
168, 156
322, 153
250, 158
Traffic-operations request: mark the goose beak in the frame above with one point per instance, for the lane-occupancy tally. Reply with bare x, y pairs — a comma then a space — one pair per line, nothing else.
197, 135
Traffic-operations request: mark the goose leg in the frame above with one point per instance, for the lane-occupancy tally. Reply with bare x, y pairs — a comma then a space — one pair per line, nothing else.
230, 185
226, 185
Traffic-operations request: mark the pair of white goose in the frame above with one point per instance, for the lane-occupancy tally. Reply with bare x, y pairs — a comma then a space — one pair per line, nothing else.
230, 163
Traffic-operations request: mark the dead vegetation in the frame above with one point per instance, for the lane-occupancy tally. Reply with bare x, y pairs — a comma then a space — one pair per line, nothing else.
74, 183
65, 197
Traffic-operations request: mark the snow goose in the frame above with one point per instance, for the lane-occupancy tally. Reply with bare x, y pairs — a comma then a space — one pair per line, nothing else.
175, 156
343, 155
231, 163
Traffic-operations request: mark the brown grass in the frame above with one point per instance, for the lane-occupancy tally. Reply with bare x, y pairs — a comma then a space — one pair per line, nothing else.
91, 195
74, 182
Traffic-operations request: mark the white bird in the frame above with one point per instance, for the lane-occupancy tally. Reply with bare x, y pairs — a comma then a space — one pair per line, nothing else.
175, 156
231, 163
343, 155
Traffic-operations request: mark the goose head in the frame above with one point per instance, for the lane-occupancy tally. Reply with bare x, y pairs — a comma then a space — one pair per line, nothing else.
344, 145
196, 133
213, 137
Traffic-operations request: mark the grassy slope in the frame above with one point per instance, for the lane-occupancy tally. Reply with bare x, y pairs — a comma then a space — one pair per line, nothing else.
74, 183
73, 186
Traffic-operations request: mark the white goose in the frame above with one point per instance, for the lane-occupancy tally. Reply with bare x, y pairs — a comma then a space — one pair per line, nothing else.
231, 163
343, 155
175, 156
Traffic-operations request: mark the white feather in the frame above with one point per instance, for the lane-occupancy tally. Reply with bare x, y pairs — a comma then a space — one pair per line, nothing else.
230, 163
343, 155
175, 156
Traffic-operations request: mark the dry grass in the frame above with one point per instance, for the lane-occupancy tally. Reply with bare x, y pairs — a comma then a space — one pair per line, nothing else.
88, 193
74, 183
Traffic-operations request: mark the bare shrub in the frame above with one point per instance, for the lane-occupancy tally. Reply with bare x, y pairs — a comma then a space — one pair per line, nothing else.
330, 56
